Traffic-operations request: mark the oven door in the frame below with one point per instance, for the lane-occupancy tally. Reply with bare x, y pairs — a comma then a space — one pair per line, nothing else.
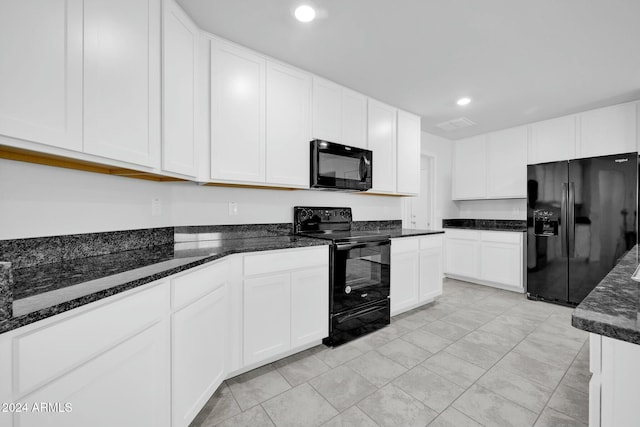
340, 167
360, 275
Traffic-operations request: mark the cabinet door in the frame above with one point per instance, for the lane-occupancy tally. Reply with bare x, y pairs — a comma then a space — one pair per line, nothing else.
552, 140
199, 344
507, 163
267, 317
610, 130
309, 306
237, 114
501, 263
462, 257
122, 80
469, 168
288, 126
382, 141
41, 63
180, 38
354, 119
127, 385
405, 279
620, 379
409, 153
430, 273
327, 111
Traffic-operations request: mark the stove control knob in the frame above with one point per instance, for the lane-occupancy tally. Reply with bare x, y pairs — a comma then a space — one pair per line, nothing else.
347, 289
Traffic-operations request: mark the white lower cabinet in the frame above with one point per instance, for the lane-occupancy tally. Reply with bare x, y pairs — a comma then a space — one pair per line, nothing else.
267, 317
430, 268
309, 305
153, 356
126, 385
405, 274
106, 365
416, 271
462, 252
615, 384
198, 340
494, 258
286, 302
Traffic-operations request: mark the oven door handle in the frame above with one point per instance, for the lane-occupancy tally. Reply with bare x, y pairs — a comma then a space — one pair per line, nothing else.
361, 312
349, 246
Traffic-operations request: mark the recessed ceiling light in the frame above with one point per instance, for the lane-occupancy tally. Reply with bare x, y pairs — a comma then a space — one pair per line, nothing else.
304, 13
463, 101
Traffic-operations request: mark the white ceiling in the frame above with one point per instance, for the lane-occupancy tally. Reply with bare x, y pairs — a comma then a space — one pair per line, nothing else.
519, 60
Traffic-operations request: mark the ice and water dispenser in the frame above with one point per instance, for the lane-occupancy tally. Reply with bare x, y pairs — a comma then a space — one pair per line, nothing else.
545, 222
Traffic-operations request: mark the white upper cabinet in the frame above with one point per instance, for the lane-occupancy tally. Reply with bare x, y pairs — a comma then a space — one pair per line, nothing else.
408, 153
122, 80
41, 63
339, 114
507, 163
610, 130
327, 110
180, 37
552, 140
288, 126
469, 168
354, 119
601, 132
382, 142
237, 114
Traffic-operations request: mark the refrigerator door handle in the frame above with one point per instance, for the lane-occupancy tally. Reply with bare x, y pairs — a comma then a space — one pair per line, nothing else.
563, 219
571, 221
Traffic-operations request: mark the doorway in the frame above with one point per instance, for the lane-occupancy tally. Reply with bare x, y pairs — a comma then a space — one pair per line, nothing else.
418, 211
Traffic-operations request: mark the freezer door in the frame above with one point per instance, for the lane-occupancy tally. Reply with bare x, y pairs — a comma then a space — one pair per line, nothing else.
603, 226
547, 193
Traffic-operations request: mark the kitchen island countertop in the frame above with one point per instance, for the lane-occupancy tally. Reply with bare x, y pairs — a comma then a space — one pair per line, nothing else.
612, 309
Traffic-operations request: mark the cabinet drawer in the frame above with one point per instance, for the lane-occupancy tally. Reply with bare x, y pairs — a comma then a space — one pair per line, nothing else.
404, 245
273, 261
462, 234
501, 236
56, 348
431, 242
191, 286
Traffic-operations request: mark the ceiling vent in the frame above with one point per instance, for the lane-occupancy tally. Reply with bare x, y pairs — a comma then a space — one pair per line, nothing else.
456, 124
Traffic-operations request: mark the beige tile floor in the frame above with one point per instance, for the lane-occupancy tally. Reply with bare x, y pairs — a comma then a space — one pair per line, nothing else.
477, 356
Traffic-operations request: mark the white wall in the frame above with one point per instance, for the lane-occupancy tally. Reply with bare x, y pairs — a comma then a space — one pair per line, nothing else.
493, 209
38, 200
442, 151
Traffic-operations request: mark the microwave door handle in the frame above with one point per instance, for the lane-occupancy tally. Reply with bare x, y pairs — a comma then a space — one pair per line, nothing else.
363, 169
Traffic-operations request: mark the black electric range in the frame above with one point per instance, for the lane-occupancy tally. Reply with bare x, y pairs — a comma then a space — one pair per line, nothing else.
359, 301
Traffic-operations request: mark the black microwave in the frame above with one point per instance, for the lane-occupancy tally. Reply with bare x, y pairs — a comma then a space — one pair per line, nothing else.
340, 167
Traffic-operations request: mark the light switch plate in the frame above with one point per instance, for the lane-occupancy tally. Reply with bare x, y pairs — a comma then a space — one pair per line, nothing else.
233, 208
156, 207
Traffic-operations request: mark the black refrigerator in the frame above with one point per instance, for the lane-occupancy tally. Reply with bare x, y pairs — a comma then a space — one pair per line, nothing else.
582, 217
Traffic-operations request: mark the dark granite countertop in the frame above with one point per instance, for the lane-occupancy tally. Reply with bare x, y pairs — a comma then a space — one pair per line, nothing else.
50, 275
43, 290
514, 225
393, 227
406, 232
612, 309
